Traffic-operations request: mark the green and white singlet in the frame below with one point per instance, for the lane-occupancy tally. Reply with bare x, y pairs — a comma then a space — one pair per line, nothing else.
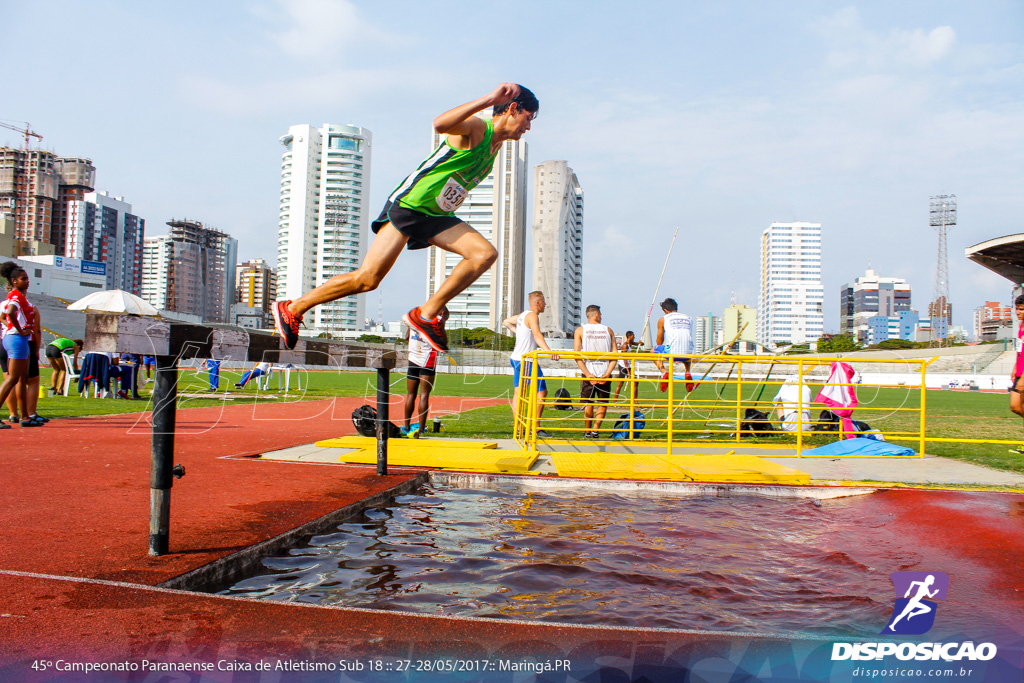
441, 183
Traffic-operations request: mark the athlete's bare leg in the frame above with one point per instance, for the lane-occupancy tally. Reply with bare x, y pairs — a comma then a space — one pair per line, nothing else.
477, 256
1016, 399
383, 252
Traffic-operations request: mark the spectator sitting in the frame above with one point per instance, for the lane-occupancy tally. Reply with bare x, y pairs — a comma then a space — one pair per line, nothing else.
793, 406
258, 371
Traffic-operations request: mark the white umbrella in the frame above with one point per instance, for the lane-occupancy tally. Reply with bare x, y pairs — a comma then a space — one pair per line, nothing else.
113, 301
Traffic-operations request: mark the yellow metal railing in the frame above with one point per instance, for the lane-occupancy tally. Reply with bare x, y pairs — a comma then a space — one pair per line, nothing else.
714, 411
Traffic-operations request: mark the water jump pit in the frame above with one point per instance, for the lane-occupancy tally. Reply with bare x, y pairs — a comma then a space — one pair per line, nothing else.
799, 562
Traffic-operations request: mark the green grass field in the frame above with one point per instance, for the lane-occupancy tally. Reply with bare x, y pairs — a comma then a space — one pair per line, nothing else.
950, 414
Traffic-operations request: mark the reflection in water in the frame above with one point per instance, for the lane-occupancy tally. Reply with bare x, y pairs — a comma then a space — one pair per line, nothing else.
593, 557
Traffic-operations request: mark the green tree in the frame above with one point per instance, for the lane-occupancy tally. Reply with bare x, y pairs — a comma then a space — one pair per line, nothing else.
480, 338
837, 343
896, 344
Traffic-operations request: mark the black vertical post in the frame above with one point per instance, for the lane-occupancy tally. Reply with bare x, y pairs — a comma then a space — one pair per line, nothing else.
165, 398
383, 419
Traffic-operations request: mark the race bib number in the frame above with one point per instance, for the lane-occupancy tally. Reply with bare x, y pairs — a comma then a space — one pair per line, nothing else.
452, 195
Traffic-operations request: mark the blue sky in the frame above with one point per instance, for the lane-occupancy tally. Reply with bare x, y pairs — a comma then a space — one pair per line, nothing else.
716, 117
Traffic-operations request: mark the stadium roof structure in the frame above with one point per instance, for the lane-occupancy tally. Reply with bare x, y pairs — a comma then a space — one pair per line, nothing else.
1002, 255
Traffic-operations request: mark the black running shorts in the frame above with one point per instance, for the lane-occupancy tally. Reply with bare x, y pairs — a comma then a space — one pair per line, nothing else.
590, 392
417, 372
418, 227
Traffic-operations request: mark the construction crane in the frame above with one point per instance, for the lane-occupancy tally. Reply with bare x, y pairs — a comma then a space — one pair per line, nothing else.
26, 131
26, 194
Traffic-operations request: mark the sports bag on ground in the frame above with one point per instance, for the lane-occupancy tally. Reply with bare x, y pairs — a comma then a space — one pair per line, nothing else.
365, 420
756, 423
622, 425
563, 399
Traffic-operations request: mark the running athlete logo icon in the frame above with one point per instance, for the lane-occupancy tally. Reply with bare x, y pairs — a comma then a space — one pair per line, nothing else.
914, 613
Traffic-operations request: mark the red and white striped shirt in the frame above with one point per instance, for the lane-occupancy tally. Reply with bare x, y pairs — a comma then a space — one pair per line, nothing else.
24, 312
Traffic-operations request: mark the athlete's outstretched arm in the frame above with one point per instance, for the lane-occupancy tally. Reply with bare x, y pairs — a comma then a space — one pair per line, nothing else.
460, 122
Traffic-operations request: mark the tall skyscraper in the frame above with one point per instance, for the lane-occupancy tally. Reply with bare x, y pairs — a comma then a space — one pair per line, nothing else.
867, 297
558, 246
256, 285
77, 178
101, 227
36, 186
323, 221
791, 295
190, 270
497, 209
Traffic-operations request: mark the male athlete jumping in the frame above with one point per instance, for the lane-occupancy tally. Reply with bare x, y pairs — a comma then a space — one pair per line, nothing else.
421, 212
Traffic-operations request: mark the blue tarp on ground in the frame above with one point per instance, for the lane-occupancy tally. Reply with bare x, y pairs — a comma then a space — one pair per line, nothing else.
860, 446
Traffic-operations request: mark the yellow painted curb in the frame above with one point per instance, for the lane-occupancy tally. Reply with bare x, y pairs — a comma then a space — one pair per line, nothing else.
370, 442
441, 457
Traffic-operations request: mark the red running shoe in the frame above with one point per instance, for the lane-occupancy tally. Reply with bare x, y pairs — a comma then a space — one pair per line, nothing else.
286, 323
663, 387
690, 384
432, 330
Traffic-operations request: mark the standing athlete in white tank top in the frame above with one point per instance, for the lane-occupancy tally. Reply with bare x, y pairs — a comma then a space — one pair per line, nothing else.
526, 327
595, 338
675, 336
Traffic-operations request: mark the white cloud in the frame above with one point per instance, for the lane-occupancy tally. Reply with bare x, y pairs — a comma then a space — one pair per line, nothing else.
854, 45
335, 88
323, 30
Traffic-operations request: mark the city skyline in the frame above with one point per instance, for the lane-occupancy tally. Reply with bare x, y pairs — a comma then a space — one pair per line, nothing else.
705, 120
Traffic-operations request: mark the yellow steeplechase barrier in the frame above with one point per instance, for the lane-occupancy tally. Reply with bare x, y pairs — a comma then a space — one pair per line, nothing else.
746, 401
370, 442
464, 456
439, 456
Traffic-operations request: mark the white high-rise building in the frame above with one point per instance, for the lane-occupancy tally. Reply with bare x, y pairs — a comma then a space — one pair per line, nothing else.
707, 332
323, 223
497, 209
791, 298
101, 227
558, 246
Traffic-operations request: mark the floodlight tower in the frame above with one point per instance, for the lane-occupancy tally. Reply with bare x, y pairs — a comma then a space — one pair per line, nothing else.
942, 217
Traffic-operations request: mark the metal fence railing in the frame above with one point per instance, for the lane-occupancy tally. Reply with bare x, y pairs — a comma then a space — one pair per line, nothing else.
729, 399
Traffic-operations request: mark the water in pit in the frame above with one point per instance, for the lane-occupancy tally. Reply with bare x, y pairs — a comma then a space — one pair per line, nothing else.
718, 563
